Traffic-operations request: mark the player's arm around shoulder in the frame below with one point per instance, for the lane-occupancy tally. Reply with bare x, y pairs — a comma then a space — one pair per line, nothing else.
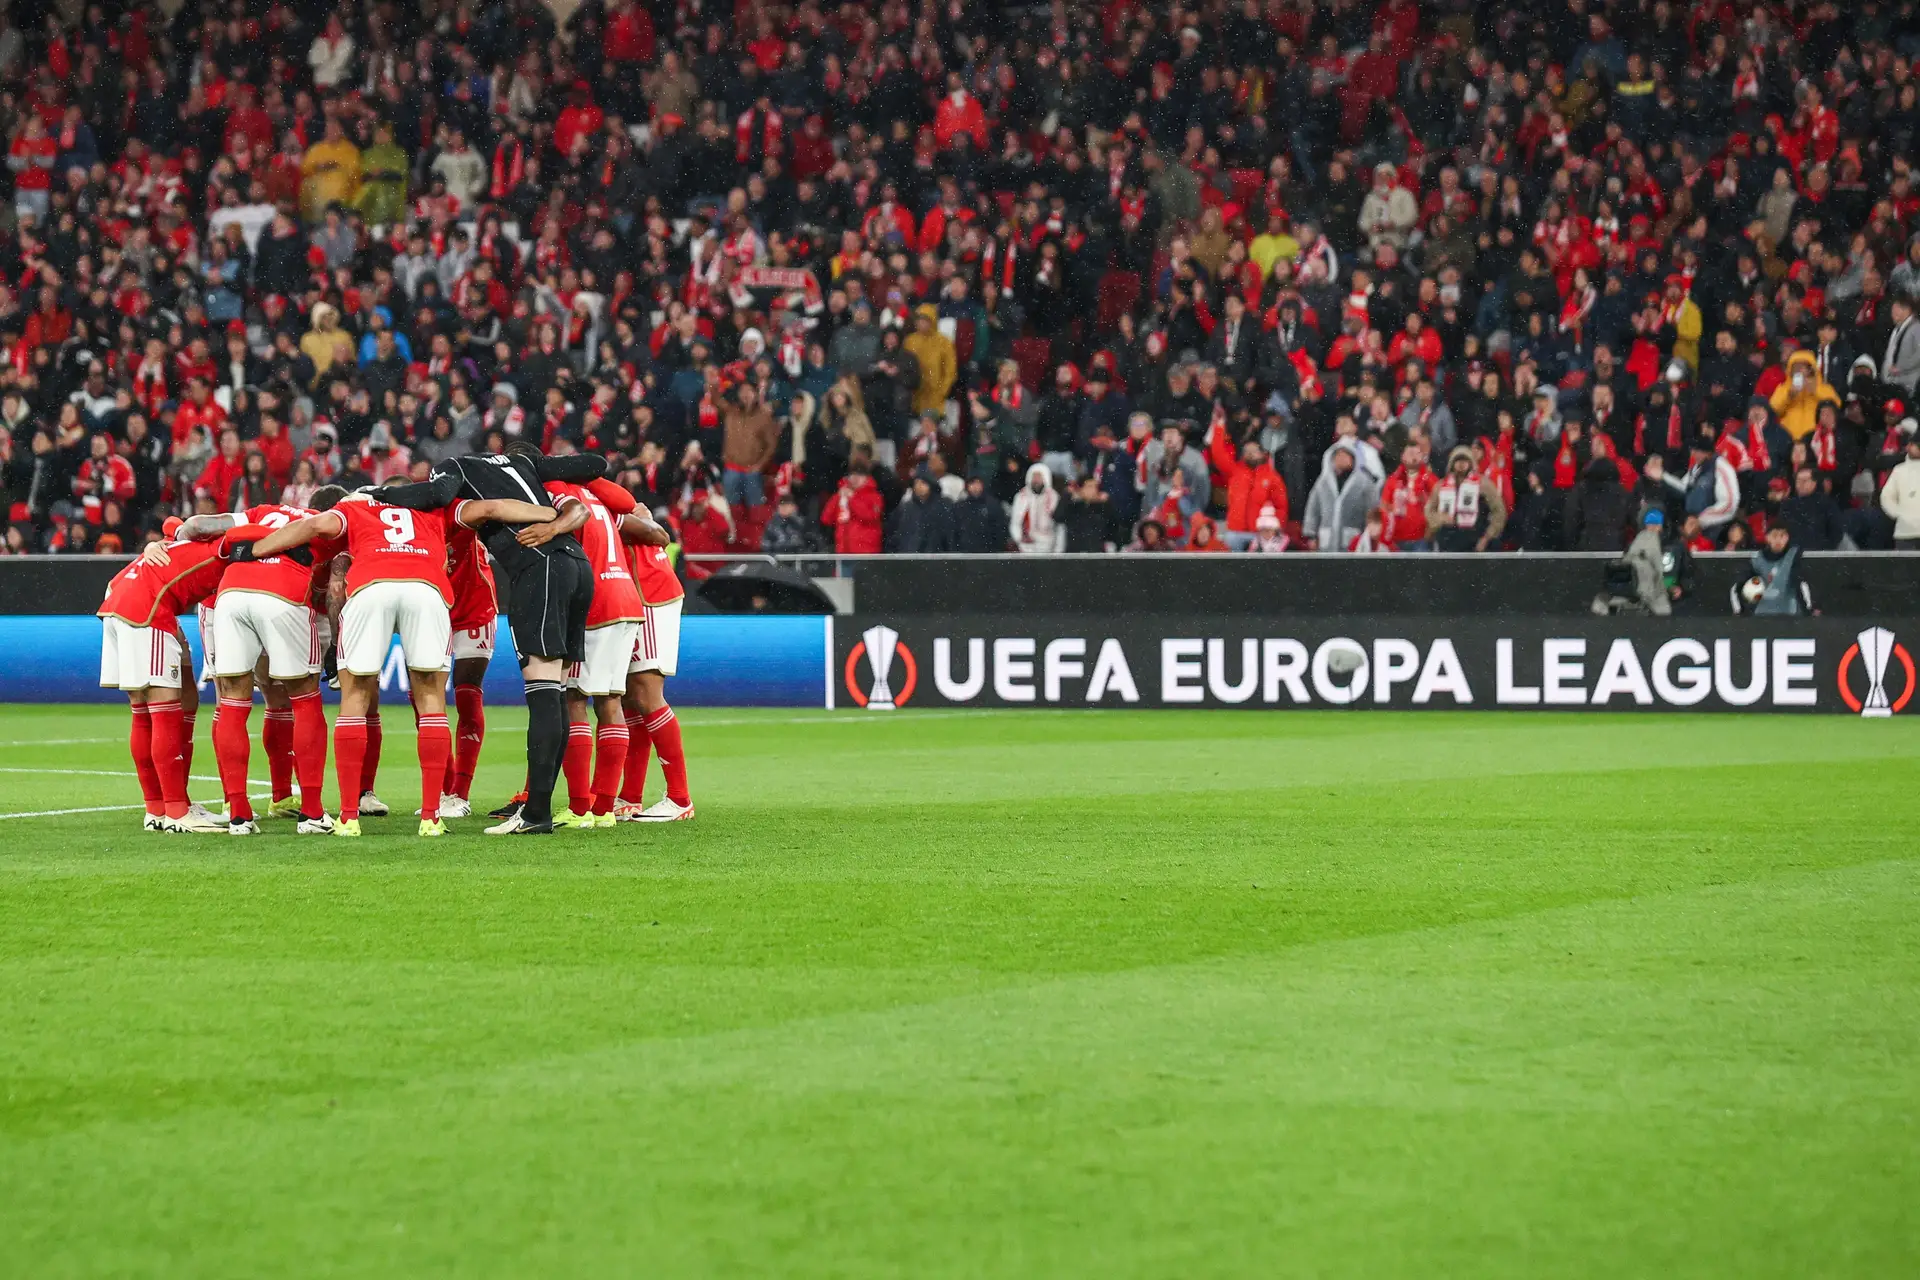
207, 528
481, 511
570, 515
324, 524
641, 528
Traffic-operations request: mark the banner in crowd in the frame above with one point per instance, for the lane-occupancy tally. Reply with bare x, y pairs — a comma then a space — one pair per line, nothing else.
724, 661
1408, 664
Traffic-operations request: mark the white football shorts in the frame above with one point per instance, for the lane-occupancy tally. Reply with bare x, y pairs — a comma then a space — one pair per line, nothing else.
609, 649
379, 610
659, 645
138, 657
249, 623
475, 642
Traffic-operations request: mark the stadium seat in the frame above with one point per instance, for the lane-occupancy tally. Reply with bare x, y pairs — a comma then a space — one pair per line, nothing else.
1119, 291
963, 340
1246, 187
1035, 358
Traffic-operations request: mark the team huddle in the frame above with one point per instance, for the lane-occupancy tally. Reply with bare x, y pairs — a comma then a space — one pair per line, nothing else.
579, 570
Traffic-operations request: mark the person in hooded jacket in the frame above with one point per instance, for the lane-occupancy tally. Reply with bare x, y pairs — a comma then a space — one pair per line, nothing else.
1031, 522
1797, 400
979, 521
855, 511
1341, 498
1463, 511
1088, 517
1165, 457
923, 523
1598, 509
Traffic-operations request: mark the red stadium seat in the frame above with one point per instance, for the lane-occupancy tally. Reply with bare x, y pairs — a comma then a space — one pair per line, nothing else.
963, 340
1035, 358
1119, 291
1246, 187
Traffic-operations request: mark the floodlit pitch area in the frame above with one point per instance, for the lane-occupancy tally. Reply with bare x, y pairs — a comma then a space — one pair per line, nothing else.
1154, 994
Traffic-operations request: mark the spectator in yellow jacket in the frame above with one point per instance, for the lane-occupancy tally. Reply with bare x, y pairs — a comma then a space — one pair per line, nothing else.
1796, 401
939, 362
329, 173
1680, 323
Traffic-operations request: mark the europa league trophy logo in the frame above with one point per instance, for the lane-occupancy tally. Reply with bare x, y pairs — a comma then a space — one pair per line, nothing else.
1876, 646
882, 641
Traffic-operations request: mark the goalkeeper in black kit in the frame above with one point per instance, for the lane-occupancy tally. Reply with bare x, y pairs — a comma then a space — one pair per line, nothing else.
545, 592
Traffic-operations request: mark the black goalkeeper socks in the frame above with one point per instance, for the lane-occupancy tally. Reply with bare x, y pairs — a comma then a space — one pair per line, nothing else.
546, 744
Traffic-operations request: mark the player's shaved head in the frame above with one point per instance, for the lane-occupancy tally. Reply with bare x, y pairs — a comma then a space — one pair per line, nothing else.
326, 497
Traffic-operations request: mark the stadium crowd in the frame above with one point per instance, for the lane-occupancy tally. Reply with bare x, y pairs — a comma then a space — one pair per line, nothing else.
1250, 275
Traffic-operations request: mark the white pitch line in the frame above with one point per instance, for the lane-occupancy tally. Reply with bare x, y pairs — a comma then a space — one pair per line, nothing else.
54, 813
58, 742
104, 808
115, 773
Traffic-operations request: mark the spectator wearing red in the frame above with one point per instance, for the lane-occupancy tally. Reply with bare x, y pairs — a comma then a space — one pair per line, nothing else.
274, 446
1403, 499
51, 323
1251, 482
812, 150
959, 112
200, 409
227, 466
704, 531
857, 512
1416, 342
579, 119
104, 477
629, 37
31, 159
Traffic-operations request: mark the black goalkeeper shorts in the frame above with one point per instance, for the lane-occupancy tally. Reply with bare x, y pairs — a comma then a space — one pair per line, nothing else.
547, 605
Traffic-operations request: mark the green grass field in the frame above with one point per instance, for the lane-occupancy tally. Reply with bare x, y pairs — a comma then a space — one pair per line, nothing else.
1049, 994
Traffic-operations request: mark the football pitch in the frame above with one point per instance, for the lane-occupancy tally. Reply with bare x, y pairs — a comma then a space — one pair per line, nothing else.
990, 994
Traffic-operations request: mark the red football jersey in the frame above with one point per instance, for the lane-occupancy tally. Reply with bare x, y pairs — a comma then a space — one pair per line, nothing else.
149, 595
471, 574
394, 544
652, 571
276, 575
615, 598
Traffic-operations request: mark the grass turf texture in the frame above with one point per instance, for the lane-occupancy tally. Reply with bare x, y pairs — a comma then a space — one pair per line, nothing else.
1108, 994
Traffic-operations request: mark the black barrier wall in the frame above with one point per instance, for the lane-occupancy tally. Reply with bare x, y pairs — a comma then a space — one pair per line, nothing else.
1595, 664
1306, 586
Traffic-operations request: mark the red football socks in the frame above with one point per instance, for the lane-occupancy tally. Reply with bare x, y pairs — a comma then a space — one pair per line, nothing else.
140, 746
189, 723
664, 728
349, 758
577, 764
310, 752
609, 765
277, 737
167, 759
233, 749
370, 764
639, 746
466, 747
435, 746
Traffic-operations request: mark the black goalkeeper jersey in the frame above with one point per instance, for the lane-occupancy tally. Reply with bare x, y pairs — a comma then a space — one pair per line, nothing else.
502, 475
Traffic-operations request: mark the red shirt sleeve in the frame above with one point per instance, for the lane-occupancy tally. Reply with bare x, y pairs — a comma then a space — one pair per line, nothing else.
613, 497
